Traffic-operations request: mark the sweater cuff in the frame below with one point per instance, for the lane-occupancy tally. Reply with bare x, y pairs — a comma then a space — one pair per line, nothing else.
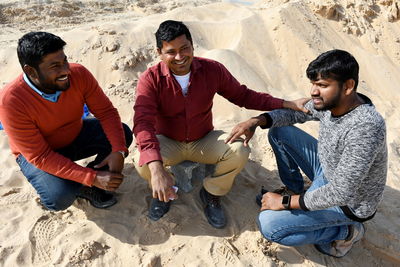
301, 202
89, 178
268, 120
148, 156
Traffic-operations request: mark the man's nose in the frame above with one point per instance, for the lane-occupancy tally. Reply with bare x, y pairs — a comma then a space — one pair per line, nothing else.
314, 90
178, 56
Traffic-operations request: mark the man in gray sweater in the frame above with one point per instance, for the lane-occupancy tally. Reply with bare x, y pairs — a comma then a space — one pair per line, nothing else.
347, 164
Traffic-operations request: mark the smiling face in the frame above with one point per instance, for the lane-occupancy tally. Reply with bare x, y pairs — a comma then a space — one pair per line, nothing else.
52, 74
326, 94
177, 54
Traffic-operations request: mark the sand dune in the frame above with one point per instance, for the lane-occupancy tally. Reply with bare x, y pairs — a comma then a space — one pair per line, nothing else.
267, 46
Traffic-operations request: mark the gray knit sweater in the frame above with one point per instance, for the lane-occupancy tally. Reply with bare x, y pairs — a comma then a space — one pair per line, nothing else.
353, 154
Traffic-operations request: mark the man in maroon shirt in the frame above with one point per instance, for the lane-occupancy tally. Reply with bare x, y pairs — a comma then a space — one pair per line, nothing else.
173, 121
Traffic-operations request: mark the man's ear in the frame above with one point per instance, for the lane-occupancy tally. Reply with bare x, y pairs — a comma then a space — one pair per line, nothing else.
30, 71
158, 51
349, 86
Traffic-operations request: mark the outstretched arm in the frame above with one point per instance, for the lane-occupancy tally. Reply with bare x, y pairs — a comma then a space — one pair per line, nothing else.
246, 128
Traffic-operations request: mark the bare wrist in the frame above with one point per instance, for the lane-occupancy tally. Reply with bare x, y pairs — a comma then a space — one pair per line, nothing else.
260, 120
286, 104
155, 166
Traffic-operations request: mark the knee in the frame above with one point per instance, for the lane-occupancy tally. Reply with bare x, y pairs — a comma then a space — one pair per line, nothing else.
274, 134
57, 203
269, 223
128, 134
240, 151
60, 198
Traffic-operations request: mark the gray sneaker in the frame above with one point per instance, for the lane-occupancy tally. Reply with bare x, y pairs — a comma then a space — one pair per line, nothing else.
339, 248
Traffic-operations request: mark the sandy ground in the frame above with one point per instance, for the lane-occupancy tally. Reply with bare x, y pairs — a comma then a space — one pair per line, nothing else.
267, 46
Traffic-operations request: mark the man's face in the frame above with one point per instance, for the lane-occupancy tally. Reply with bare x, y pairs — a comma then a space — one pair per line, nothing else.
326, 94
177, 54
53, 73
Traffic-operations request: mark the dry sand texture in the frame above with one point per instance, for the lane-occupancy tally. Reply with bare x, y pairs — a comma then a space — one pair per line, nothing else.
266, 46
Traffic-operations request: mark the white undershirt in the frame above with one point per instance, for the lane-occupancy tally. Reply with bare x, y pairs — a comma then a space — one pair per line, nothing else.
183, 82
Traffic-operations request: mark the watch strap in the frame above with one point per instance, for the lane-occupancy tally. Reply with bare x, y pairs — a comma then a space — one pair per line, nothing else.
123, 153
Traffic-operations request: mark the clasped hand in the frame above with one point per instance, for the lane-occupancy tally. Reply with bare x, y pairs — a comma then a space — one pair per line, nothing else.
110, 180
271, 201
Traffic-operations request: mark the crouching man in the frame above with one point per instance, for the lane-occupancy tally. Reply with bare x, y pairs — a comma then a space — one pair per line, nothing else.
347, 164
41, 111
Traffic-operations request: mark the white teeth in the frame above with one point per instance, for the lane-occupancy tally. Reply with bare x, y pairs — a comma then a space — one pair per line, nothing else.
63, 79
179, 62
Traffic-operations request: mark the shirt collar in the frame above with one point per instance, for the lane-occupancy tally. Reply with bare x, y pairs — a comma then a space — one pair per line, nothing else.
50, 97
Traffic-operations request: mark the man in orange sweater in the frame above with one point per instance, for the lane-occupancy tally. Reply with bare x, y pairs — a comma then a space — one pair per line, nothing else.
41, 111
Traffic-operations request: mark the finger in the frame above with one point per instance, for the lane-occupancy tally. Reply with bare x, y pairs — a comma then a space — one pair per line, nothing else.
117, 174
165, 197
263, 206
114, 184
115, 180
246, 142
155, 194
108, 188
101, 164
234, 137
229, 137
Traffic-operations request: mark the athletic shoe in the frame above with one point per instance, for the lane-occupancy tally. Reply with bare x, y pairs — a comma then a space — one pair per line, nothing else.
339, 248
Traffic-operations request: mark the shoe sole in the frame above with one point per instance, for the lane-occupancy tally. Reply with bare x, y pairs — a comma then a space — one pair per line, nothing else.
356, 241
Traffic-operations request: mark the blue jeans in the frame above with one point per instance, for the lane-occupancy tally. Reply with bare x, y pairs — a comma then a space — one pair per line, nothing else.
56, 193
294, 148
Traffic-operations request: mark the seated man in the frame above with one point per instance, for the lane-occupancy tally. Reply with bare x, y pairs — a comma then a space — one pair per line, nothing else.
347, 165
41, 111
173, 121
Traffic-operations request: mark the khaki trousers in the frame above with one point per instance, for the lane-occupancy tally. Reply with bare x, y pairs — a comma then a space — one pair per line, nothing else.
229, 159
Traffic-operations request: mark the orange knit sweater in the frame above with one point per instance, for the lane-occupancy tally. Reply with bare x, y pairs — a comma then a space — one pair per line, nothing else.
36, 127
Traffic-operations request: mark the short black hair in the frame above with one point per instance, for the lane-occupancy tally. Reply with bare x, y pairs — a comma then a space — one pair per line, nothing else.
336, 64
171, 29
33, 46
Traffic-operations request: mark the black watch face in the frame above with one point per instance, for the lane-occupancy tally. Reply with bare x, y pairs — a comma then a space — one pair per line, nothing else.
285, 200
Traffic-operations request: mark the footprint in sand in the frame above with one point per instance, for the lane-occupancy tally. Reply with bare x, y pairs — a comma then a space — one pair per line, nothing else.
87, 252
42, 233
16, 195
227, 250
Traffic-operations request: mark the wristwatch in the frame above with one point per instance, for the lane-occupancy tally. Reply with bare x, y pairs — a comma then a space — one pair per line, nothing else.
123, 153
286, 201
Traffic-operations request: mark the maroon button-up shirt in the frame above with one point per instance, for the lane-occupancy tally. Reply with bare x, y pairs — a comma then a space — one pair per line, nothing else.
161, 107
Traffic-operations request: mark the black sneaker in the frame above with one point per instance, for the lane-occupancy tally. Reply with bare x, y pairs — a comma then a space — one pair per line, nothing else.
213, 209
158, 209
97, 197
